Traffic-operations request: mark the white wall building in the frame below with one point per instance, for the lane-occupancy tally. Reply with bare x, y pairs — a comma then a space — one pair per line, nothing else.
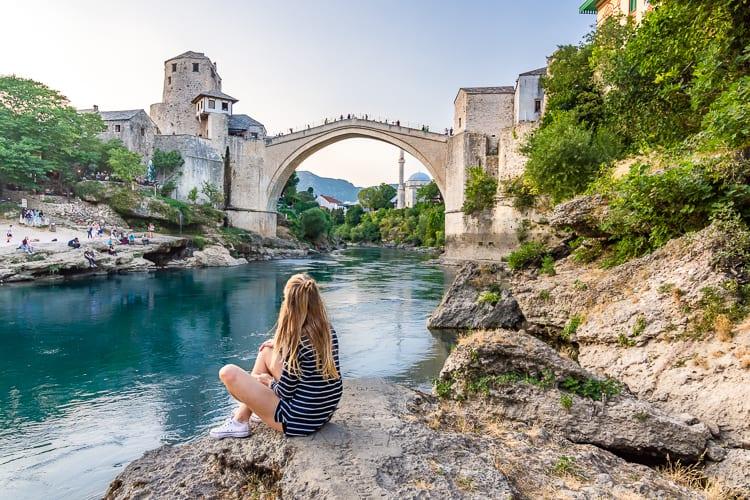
329, 202
415, 181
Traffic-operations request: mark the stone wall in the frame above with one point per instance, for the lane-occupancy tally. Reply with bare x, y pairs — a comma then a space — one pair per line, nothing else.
202, 163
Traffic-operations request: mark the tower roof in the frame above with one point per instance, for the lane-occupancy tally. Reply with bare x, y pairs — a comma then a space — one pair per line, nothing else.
214, 93
189, 55
243, 122
538, 71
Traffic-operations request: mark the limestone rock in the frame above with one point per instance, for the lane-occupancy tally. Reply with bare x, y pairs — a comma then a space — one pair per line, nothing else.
372, 448
462, 309
214, 256
733, 472
638, 324
582, 214
618, 422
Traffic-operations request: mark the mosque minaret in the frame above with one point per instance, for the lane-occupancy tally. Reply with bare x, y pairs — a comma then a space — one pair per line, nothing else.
401, 196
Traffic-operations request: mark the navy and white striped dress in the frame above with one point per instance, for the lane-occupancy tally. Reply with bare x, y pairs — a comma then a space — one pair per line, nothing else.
307, 401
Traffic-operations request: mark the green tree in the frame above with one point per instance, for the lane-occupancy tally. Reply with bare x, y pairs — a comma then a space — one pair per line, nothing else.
193, 195
42, 137
565, 156
377, 197
354, 215
429, 193
479, 191
314, 222
125, 164
289, 193
571, 86
166, 163
214, 194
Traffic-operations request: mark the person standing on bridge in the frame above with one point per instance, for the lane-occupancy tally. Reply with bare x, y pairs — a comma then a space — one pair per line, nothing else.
295, 385
398, 123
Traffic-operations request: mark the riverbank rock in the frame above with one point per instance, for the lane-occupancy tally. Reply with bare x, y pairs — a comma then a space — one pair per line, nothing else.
583, 214
210, 256
660, 324
373, 447
516, 376
465, 307
733, 472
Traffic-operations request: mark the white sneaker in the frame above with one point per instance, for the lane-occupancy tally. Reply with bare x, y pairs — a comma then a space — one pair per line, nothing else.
230, 428
255, 419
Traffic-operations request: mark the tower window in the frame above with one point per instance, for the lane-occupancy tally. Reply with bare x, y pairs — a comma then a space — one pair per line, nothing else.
117, 128
459, 123
196, 67
169, 80
633, 4
143, 131
225, 106
211, 104
537, 105
174, 67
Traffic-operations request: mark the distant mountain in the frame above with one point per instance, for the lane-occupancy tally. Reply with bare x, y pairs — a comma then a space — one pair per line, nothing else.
338, 188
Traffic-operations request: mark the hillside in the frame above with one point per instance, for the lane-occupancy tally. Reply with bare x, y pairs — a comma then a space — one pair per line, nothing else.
338, 188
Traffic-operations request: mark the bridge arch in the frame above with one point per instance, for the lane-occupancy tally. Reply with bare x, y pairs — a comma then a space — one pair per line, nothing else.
285, 154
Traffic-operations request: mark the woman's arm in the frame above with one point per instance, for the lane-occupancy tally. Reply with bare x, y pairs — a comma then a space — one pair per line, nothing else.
286, 386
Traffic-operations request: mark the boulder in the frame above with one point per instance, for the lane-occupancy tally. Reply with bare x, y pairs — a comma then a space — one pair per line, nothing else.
372, 448
462, 308
526, 380
583, 214
214, 256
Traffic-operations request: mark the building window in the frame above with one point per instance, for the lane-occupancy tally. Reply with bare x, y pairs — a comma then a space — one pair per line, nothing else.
117, 128
212, 74
174, 67
633, 4
225, 106
254, 135
459, 123
195, 67
537, 105
169, 80
143, 131
211, 104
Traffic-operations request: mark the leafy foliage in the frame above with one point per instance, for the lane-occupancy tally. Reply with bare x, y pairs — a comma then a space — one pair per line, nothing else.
489, 297
377, 197
42, 137
214, 195
527, 254
314, 222
166, 163
479, 191
126, 164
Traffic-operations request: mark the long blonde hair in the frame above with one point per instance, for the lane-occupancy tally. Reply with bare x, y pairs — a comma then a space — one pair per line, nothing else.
303, 313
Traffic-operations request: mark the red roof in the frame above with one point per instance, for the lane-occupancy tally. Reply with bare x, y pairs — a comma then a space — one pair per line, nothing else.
331, 199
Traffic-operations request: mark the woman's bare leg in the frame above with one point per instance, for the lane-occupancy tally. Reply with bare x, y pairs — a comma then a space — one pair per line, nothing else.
268, 363
255, 396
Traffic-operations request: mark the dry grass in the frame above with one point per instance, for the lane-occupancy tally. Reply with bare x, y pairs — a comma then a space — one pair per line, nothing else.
700, 361
477, 337
692, 477
465, 483
723, 327
745, 363
421, 484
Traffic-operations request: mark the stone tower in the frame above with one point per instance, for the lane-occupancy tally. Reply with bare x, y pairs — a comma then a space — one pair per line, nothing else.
185, 77
400, 199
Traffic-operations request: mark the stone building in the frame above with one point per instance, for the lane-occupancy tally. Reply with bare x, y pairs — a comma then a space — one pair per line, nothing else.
133, 127
413, 183
528, 96
607, 8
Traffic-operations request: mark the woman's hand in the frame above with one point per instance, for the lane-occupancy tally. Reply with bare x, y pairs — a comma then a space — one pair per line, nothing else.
264, 379
267, 343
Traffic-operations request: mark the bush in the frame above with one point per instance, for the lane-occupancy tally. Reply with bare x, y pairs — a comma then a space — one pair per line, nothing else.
727, 122
523, 193
168, 188
489, 297
314, 222
571, 327
588, 250
479, 191
528, 253
565, 156
548, 266
199, 242
90, 191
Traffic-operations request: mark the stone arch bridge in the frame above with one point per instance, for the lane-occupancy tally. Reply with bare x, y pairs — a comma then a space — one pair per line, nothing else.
257, 170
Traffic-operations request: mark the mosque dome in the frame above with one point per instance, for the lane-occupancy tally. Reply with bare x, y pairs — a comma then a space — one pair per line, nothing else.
420, 177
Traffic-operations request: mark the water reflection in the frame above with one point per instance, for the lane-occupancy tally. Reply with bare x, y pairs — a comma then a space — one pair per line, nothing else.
93, 373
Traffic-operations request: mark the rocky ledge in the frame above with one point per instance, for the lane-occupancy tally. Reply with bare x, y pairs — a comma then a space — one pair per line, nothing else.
387, 441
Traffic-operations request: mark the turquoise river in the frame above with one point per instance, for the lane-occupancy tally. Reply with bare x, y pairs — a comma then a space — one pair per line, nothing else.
95, 372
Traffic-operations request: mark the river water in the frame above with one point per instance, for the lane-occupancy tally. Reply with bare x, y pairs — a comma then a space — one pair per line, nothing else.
93, 373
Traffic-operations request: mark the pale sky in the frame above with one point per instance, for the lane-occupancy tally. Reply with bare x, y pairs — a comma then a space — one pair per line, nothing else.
292, 62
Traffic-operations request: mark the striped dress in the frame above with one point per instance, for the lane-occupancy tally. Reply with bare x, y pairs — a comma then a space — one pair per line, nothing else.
307, 401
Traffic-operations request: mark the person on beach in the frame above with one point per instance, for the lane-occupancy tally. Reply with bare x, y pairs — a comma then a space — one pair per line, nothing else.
9, 234
151, 230
26, 246
90, 257
295, 385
